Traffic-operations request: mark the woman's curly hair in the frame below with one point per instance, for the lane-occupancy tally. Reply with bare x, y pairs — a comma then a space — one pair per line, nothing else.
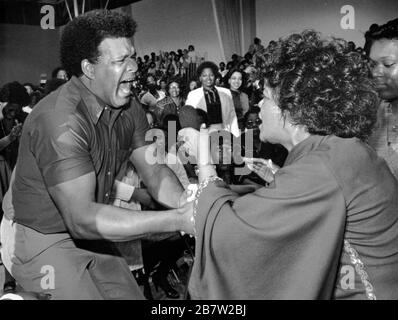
82, 36
322, 85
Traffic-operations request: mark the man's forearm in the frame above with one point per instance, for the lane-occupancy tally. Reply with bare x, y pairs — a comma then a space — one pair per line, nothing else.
118, 224
164, 186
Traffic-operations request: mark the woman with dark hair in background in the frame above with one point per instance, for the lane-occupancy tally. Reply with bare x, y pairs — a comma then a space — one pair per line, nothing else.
216, 101
236, 80
331, 208
382, 49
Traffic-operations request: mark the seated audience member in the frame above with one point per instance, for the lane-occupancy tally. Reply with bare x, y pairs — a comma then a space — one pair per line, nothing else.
152, 69
152, 96
9, 143
331, 207
170, 104
222, 69
14, 92
60, 73
192, 85
219, 82
235, 80
163, 85
382, 46
256, 47
221, 152
253, 147
53, 84
13, 96
32, 92
216, 101
190, 117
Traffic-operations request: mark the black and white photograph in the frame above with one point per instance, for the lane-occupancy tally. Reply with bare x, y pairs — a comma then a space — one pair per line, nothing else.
205, 152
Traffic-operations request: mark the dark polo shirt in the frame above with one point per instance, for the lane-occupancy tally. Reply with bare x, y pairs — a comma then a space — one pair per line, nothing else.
68, 134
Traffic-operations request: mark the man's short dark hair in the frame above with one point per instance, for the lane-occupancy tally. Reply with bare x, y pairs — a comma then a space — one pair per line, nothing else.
82, 36
207, 65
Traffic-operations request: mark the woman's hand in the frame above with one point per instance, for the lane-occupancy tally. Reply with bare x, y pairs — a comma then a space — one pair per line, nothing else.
265, 169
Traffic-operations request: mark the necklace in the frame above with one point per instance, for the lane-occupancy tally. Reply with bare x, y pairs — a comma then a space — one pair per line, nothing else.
392, 128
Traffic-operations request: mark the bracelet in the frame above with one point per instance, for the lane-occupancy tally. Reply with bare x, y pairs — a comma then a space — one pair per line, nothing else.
201, 187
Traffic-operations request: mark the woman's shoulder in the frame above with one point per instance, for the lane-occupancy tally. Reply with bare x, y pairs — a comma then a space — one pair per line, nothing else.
224, 91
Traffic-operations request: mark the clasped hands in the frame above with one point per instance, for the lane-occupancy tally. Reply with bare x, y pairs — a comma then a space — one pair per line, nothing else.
15, 131
199, 148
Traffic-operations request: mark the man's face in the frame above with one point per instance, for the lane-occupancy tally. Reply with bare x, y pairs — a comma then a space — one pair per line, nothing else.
384, 65
207, 78
114, 71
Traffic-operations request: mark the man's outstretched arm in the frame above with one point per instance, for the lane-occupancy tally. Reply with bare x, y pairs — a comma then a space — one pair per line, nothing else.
86, 219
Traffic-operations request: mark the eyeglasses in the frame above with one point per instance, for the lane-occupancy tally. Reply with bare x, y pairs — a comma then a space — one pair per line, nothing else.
252, 124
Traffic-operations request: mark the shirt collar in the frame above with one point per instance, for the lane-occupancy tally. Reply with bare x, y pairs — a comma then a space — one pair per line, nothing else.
304, 147
94, 104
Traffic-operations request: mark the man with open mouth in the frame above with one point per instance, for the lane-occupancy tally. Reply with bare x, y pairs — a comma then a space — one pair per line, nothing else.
59, 228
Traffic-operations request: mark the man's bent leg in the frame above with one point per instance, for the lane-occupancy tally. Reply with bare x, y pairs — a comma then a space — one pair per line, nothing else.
110, 272
47, 263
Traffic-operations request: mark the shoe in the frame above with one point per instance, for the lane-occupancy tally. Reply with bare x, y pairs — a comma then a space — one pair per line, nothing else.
9, 287
162, 282
142, 280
